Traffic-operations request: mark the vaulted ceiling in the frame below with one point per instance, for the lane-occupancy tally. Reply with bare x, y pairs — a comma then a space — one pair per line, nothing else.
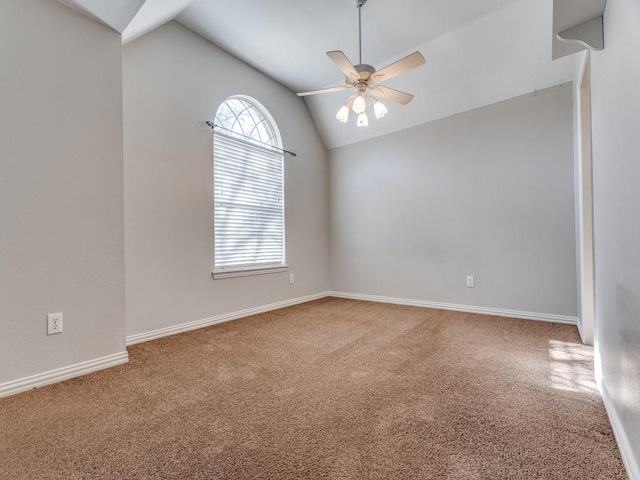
477, 52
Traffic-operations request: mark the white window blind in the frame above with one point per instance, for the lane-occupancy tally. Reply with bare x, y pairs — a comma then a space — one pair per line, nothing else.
248, 204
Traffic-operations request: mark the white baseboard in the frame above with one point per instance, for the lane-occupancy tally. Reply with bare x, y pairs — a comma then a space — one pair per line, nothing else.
545, 317
60, 374
630, 462
580, 329
188, 326
185, 327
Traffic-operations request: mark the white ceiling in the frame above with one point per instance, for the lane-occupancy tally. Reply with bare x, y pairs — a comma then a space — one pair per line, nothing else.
153, 14
288, 39
477, 52
116, 14
494, 58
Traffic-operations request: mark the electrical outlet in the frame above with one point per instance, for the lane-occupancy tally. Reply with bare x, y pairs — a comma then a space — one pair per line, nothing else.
291, 279
54, 323
469, 281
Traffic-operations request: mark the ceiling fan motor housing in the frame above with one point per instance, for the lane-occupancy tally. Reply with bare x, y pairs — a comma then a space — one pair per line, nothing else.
365, 71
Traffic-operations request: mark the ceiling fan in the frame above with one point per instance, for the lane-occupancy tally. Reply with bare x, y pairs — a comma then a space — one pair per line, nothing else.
365, 79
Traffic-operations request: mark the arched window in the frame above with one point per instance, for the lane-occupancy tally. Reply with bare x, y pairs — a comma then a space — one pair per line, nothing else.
248, 186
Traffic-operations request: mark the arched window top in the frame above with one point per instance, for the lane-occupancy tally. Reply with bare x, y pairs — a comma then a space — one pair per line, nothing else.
243, 117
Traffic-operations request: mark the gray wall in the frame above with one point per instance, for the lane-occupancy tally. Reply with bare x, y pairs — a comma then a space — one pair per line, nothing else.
615, 86
487, 193
61, 188
173, 80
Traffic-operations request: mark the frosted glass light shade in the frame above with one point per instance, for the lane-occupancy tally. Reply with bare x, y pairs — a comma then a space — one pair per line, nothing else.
363, 120
343, 114
359, 104
379, 109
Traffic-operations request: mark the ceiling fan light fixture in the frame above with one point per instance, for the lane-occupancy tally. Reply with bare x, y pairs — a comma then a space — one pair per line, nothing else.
379, 109
365, 79
343, 114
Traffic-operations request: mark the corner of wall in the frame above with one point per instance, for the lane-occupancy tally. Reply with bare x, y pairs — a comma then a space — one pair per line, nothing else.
624, 445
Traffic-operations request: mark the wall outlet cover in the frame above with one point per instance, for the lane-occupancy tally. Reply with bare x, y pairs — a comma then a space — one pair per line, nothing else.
54, 323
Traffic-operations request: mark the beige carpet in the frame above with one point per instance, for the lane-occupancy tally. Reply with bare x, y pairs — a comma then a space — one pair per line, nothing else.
332, 389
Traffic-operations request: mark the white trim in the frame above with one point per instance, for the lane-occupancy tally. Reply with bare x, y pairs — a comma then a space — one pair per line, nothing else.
586, 295
626, 452
247, 271
65, 373
580, 329
545, 317
226, 317
60, 374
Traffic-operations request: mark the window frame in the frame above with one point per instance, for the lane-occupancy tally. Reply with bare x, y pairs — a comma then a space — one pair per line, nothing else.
252, 106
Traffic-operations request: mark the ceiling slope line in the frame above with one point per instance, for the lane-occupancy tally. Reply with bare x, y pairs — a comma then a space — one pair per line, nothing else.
115, 14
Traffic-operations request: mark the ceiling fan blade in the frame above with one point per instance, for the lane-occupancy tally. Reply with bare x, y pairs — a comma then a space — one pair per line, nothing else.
404, 65
324, 90
392, 94
343, 63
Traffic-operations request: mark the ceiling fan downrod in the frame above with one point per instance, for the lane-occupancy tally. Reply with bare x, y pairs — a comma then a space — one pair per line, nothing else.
360, 4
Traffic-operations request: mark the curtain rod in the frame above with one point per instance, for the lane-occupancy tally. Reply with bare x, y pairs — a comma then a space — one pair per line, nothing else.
214, 126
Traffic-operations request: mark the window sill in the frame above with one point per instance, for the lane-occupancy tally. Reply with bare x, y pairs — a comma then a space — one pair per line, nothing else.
247, 271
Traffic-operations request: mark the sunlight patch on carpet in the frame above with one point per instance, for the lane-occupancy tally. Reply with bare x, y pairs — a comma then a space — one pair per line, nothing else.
571, 367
